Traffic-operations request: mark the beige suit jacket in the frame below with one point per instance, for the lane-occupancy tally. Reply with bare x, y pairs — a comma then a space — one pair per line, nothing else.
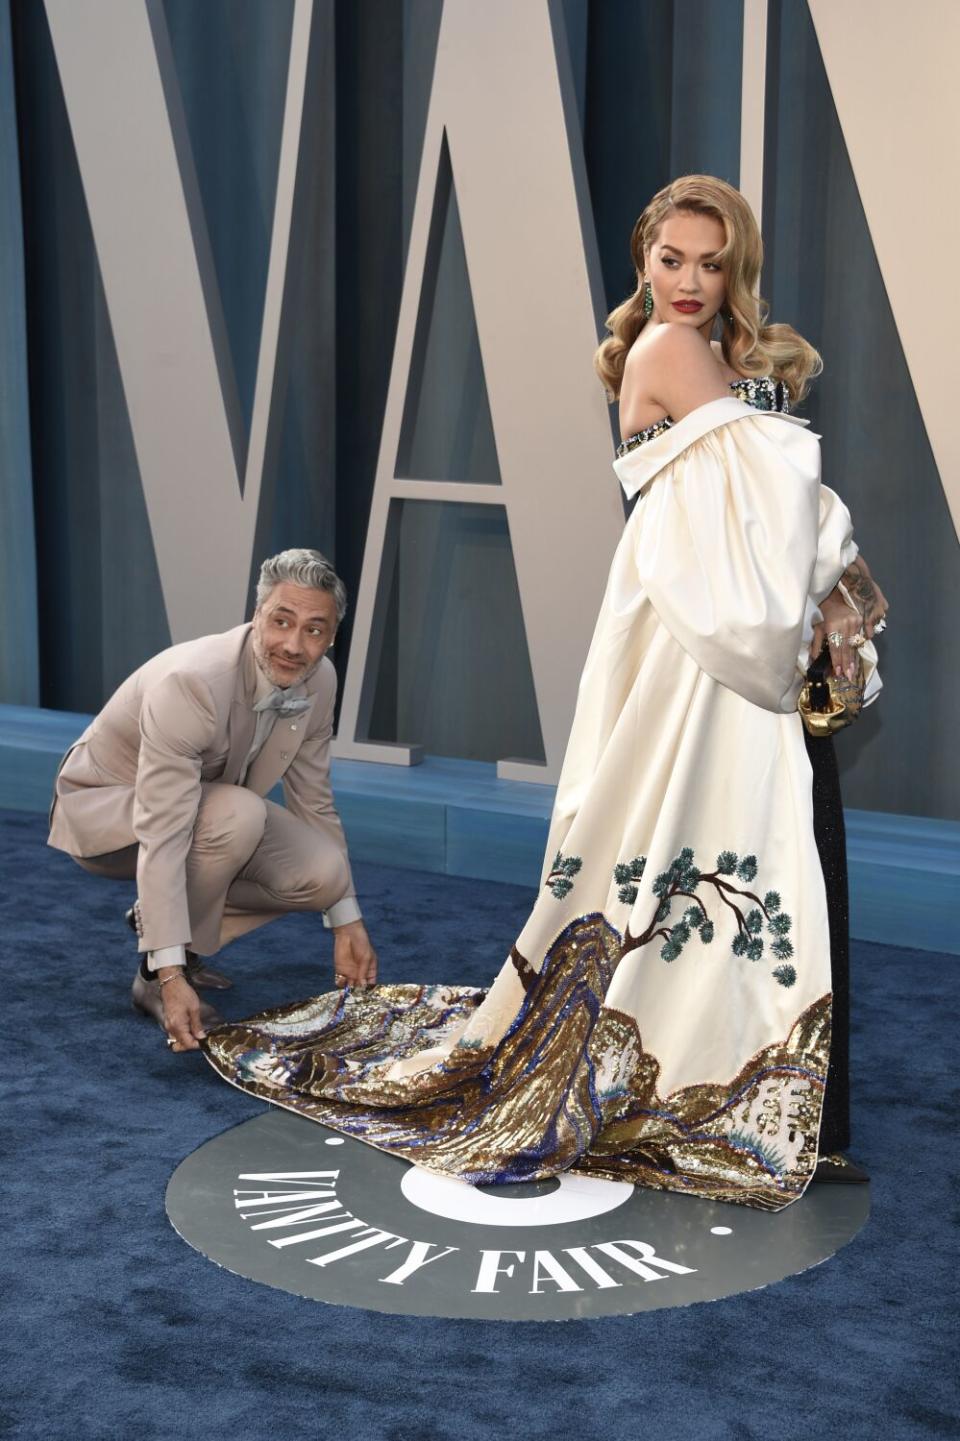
185, 717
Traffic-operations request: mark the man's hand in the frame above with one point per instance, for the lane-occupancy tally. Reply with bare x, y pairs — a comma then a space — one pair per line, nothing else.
354, 959
181, 1010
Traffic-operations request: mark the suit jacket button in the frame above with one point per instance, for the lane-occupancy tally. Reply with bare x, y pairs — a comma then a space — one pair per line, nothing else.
283, 755
293, 727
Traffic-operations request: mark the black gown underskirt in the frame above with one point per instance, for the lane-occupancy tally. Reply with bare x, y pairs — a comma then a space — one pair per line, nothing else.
828, 829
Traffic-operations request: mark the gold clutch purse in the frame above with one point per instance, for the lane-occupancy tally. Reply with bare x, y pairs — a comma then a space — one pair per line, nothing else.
829, 702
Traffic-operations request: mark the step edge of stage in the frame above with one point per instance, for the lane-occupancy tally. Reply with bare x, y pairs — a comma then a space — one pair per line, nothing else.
443, 815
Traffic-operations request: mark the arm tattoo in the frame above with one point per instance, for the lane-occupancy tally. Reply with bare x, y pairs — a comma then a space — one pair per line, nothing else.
861, 587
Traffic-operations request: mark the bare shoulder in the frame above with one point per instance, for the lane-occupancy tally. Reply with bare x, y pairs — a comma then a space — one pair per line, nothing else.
665, 349
677, 344
675, 366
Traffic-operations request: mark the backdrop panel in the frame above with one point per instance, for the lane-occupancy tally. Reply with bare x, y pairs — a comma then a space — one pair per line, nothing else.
657, 91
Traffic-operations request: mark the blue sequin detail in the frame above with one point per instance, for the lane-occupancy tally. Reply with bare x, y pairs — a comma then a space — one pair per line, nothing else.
761, 391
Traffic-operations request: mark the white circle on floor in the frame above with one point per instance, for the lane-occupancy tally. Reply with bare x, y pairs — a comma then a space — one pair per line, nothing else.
575, 1198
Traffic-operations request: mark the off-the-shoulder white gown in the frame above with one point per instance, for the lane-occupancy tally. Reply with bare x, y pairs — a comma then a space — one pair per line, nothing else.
664, 1016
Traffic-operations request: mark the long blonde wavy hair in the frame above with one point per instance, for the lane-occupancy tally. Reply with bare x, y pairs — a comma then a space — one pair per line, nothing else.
750, 346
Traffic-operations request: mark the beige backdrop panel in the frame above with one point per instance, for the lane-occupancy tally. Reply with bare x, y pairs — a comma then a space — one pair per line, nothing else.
892, 73
122, 97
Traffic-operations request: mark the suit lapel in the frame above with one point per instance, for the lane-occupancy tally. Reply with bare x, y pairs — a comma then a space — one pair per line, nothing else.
279, 749
242, 722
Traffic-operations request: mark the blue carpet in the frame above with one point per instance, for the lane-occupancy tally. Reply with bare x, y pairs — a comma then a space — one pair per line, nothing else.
116, 1330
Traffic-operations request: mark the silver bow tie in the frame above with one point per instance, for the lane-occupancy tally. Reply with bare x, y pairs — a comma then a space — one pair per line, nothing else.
284, 704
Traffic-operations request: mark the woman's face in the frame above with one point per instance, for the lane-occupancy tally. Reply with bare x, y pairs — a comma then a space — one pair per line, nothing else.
688, 283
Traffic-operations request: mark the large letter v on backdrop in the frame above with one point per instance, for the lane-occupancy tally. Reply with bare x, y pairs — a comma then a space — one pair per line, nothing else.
123, 102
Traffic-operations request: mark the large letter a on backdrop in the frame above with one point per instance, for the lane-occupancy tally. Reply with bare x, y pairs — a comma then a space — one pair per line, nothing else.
500, 115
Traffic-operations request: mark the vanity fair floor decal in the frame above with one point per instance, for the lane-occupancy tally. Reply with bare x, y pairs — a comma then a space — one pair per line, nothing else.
285, 1201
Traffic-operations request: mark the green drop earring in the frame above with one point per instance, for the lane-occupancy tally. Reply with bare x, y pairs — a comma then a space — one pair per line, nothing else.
647, 300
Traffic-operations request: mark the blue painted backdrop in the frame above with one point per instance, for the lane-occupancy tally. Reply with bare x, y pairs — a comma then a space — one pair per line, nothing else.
658, 94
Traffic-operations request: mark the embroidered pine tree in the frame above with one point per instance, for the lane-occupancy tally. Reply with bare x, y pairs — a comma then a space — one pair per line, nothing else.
626, 875
682, 881
560, 879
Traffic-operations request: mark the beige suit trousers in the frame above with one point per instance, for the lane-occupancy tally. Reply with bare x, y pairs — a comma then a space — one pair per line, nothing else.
250, 861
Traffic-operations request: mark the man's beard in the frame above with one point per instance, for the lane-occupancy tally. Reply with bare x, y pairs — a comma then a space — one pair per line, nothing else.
265, 662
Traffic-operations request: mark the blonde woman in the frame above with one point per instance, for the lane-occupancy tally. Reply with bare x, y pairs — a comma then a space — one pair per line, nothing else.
690, 275
664, 1016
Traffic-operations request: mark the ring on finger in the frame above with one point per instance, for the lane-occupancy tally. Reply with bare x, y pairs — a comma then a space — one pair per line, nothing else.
171, 1040
835, 637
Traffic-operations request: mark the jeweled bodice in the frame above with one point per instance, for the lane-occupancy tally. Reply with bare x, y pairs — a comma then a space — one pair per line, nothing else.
760, 391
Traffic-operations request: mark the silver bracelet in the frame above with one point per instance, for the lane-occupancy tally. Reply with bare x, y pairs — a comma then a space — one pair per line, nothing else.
178, 972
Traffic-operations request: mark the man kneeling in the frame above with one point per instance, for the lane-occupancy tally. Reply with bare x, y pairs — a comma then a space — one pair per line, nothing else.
169, 782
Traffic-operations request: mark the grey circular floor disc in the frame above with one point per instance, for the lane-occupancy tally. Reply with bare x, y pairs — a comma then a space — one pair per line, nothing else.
282, 1200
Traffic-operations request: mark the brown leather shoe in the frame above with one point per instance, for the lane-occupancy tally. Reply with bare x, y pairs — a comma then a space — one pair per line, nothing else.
198, 973
146, 998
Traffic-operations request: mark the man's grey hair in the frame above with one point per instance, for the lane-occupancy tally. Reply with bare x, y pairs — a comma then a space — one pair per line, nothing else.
302, 567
